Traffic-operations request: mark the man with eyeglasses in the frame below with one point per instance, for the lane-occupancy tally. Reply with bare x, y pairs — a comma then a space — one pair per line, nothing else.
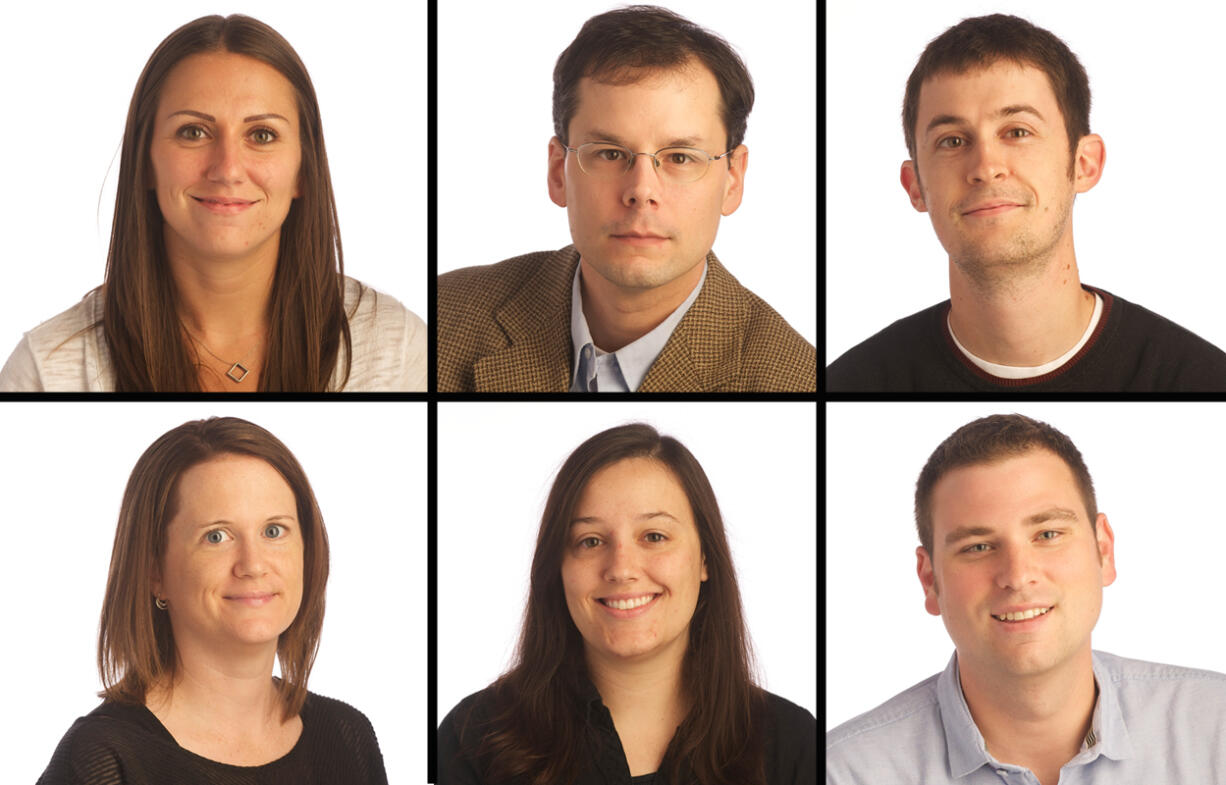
649, 113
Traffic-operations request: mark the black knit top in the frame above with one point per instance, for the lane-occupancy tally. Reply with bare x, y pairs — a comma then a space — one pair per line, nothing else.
1131, 350
117, 744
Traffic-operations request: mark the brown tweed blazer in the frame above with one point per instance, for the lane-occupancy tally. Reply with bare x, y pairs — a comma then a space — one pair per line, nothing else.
506, 328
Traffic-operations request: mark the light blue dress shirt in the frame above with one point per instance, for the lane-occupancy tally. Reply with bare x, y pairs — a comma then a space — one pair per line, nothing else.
1152, 725
624, 369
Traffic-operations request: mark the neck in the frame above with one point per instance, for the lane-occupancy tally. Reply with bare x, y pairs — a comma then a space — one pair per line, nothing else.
1024, 321
224, 301
236, 691
1036, 721
618, 316
650, 688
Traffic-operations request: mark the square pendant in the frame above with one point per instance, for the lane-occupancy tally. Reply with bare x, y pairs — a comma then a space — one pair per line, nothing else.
237, 372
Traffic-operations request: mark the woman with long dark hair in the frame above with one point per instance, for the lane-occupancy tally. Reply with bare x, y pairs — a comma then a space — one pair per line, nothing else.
225, 271
633, 664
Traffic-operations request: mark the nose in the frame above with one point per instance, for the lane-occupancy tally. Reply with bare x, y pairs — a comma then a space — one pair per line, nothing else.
621, 562
1017, 568
642, 185
988, 163
250, 560
226, 161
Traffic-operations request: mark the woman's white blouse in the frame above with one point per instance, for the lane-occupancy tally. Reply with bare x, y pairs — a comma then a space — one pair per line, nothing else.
67, 354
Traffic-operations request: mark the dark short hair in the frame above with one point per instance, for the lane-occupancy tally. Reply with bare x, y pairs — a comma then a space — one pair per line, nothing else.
983, 41
991, 439
617, 46
136, 647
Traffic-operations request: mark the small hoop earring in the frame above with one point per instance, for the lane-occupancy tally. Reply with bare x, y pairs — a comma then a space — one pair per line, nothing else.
162, 604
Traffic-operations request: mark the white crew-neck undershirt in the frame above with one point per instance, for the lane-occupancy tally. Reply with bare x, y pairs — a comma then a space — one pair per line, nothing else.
1029, 372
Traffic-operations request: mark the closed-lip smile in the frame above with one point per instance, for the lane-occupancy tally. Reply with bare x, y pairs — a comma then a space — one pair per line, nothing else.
993, 205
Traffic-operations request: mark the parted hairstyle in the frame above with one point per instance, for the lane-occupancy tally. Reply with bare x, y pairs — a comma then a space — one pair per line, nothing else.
991, 439
136, 647
983, 41
149, 346
535, 731
617, 47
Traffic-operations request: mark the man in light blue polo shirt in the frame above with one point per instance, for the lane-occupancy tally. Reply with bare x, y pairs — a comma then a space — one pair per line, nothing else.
1014, 558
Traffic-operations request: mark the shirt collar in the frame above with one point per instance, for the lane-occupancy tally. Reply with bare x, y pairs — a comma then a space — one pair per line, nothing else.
967, 750
634, 359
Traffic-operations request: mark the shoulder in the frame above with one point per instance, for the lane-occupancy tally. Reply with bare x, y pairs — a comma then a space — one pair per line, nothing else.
337, 716
494, 282
54, 355
389, 341
872, 364
1173, 355
792, 732
1129, 674
895, 727
458, 736
104, 745
774, 354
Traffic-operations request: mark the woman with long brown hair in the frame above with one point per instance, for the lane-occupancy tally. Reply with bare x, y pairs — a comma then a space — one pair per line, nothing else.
218, 570
633, 664
225, 270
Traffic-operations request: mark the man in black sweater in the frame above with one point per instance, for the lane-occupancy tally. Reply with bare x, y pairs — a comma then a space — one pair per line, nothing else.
996, 118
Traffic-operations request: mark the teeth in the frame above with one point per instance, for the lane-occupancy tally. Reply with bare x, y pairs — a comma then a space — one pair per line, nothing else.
625, 605
1022, 616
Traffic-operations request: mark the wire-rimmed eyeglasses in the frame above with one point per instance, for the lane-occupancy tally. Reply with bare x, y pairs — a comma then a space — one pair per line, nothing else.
675, 164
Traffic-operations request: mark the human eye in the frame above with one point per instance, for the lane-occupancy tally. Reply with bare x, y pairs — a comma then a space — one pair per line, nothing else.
656, 537
979, 547
264, 136
610, 154
274, 531
587, 543
1056, 535
192, 133
215, 536
1023, 131
952, 142
680, 157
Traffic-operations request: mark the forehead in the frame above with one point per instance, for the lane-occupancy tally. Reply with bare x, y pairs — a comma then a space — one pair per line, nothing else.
228, 479
220, 80
672, 103
632, 487
979, 92
1004, 492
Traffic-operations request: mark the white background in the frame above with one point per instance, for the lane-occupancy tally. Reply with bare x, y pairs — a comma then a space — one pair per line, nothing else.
1157, 474
62, 476
1149, 231
495, 87
495, 467
68, 80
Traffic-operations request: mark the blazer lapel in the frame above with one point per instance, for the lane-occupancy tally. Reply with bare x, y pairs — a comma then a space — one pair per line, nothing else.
704, 352
537, 325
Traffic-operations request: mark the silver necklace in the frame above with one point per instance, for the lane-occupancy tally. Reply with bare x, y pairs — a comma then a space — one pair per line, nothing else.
237, 371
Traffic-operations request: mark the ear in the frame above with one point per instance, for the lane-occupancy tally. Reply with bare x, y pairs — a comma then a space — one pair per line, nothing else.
1106, 548
704, 567
734, 186
155, 582
909, 178
927, 578
1088, 162
557, 172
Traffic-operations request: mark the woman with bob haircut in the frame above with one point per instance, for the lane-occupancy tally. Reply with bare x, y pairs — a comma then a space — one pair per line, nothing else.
225, 271
219, 568
633, 664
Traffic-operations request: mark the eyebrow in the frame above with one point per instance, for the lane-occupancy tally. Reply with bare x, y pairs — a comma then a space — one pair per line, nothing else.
1051, 513
269, 519
643, 517
1006, 111
255, 118
599, 135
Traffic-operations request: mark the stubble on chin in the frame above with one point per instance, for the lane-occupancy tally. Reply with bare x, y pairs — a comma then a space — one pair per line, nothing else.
995, 266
